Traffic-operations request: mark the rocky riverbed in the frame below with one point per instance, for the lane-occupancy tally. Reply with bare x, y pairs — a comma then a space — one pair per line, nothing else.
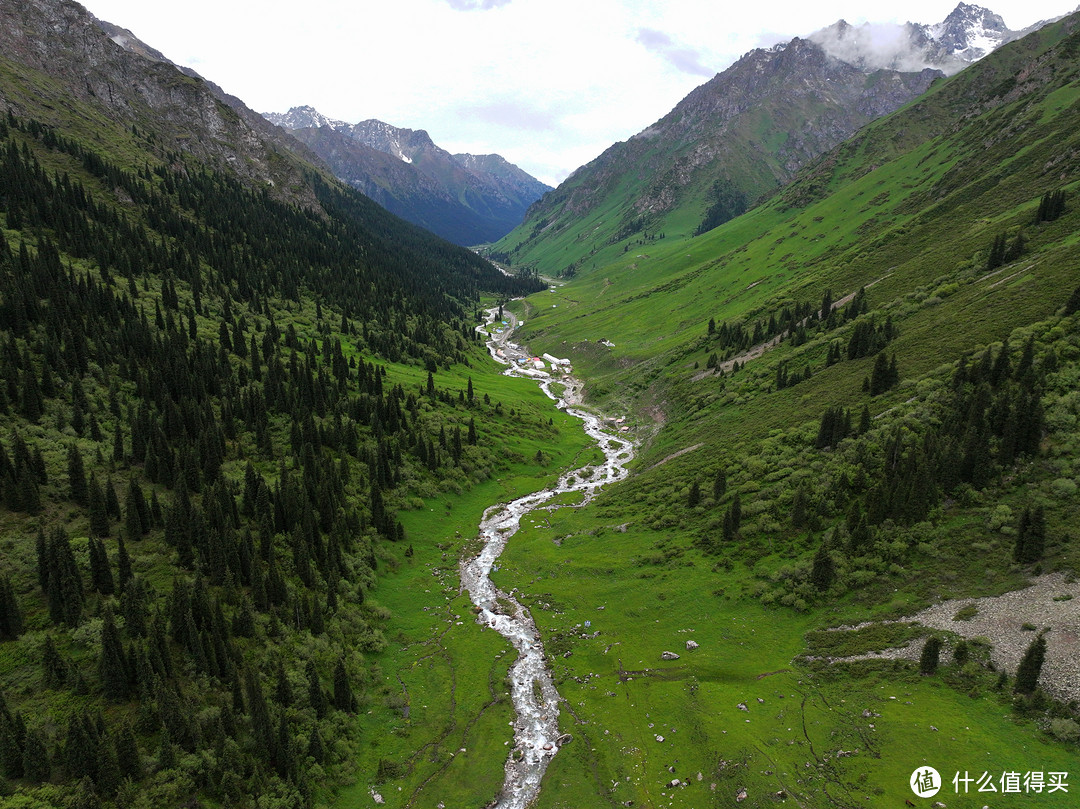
536, 702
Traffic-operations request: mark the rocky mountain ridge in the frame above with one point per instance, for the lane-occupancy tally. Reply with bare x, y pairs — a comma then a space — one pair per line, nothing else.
966, 35
744, 133
104, 73
469, 199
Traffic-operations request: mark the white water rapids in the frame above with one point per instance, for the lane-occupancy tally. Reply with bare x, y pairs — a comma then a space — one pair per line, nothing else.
536, 702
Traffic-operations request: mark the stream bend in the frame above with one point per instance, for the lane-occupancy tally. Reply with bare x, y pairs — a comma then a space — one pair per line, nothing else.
535, 700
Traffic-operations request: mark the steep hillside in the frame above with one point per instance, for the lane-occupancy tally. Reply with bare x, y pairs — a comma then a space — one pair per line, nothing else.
856, 401
736, 137
740, 136
467, 199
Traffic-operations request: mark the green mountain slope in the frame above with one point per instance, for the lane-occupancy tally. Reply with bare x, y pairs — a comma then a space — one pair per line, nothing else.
909, 440
738, 136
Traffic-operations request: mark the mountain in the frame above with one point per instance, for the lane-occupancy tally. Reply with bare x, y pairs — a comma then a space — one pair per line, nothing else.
857, 481
739, 136
465, 198
968, 34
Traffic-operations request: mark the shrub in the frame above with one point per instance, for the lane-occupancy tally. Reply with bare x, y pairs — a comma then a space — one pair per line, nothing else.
1065, 730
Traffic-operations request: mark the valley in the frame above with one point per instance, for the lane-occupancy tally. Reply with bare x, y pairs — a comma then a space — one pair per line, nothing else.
748, 477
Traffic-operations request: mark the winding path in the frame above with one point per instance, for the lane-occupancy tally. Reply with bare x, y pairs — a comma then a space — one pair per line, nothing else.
536, 702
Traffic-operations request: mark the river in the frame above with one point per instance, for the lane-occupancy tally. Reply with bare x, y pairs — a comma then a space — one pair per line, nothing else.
536, 702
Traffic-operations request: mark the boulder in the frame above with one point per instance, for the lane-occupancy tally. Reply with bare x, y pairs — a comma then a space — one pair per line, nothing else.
691, 645
564, 740
668, 656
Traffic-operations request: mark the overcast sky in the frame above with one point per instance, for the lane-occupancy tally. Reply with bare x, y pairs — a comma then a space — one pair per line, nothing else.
548, 84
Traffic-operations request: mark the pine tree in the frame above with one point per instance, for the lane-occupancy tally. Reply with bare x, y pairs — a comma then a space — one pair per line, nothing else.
11, 618
961, 652
931, 655
77, 488
54, 671
112, 665
316, 747
1027, 673
823, 571
1030, 536
316, 695
99, 517
1072, 306
719, 484
127, 753
343, 694
123, 564
108, 777
864, 420
693, 498
11, 745
101, 577
36, 767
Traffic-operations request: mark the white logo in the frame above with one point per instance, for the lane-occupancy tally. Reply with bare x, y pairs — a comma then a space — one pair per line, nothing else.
925, 782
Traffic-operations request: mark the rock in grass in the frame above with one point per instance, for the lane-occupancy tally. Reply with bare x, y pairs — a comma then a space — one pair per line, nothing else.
668, 656
691, 645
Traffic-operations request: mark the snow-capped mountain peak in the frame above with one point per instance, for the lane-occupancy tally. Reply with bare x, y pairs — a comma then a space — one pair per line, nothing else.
970, 32
966, 35
302, 118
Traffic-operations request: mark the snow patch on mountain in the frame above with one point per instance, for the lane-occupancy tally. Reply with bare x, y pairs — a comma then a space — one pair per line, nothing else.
968, 34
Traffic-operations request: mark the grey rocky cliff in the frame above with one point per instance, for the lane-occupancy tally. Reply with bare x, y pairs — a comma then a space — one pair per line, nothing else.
99, 69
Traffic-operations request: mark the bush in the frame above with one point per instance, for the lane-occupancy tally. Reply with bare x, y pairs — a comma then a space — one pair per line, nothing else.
1065, 730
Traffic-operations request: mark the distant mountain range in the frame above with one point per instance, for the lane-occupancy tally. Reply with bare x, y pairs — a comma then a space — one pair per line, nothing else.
743, 134
467, 199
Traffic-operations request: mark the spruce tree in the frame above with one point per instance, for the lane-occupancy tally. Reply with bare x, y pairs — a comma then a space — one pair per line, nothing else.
112, 665
316, 695
823, 571
931, 655
1027, 673
343, 694
693, 498
719, 484
127, 753
11, 618
99, 517
77, 488
36, 767
54, 671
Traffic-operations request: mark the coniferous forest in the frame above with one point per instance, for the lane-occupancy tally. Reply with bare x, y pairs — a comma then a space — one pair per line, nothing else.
201, 433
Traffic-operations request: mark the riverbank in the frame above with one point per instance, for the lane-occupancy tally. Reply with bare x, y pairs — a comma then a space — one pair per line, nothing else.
535, 699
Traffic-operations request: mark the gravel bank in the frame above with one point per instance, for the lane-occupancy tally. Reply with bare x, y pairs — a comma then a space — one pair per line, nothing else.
1000, 619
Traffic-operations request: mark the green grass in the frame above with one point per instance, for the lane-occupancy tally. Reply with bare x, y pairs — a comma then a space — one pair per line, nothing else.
910, 208
453, 671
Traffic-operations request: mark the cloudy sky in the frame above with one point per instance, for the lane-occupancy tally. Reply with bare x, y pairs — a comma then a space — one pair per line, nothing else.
548, 84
